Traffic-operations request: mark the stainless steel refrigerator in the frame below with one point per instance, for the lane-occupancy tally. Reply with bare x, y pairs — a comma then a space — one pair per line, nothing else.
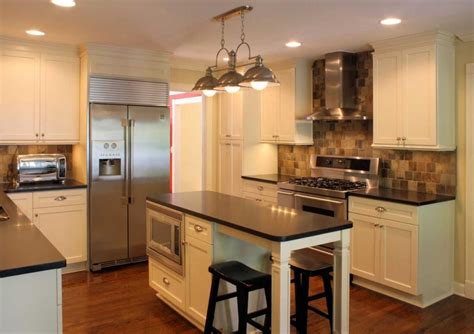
129, 154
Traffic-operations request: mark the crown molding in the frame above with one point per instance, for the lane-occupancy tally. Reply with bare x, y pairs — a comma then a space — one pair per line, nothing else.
93, 49
467, 37
19, 44
439, 36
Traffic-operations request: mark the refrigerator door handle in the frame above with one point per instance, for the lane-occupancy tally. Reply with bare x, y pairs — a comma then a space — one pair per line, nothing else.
131, 126
125, 186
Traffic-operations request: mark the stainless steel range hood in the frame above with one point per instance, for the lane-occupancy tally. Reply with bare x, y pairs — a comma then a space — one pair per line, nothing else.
340, 92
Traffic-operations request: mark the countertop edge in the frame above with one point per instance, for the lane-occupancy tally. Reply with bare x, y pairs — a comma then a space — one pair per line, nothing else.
32, 269
46, 187
402, 201
253, 178
243, 229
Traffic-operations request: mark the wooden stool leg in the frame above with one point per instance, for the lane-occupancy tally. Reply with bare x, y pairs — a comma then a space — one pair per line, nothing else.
211, 307
242, 305
303, 307
268, 315
328, 293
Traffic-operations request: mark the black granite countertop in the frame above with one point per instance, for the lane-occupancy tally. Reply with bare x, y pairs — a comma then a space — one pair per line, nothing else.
402, 196
43, 186
268, 178
273, 223
23, 248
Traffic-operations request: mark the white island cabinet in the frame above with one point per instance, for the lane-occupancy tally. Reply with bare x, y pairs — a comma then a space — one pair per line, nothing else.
218, 228
401, 250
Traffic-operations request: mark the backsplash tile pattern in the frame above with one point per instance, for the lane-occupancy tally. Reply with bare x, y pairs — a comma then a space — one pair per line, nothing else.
8, 155
431, 172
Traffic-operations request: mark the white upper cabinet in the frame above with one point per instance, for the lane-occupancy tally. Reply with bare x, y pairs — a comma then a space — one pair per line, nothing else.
284, 108
39, 93
414, 92
230, 116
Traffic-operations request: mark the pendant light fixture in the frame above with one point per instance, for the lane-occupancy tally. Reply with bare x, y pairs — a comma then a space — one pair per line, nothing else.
258, 76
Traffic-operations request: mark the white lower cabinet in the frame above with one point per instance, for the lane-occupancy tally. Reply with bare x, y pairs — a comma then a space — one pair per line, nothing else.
168, 284
261, 192
61, 215
407, 251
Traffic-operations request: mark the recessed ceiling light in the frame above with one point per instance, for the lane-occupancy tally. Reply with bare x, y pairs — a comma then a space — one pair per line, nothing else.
35, 32
293, 44
64, 3
390, 21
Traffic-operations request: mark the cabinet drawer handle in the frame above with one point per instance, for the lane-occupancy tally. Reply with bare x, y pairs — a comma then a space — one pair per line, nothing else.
166, 281
37, 135
258, 199
60, 198
198, 228
376, 225
42, 135
260, 188
380, 209
380, 226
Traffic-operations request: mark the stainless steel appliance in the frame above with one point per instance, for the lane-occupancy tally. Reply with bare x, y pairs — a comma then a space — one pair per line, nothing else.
340, 90
129, 154
165, 234
41, 167
332, 179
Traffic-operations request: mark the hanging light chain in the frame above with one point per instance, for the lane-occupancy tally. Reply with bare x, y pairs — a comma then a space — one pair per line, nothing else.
222, 32
242, 29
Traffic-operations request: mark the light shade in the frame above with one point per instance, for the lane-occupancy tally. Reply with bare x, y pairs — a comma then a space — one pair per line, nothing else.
35, 32
206, 83
390, 21
64, 3
229, 79
258, 75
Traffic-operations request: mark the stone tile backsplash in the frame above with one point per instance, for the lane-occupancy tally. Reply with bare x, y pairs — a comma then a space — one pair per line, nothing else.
431, 172
8, 154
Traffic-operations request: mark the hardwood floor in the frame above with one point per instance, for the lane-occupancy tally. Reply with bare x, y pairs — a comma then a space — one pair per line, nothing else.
120, 301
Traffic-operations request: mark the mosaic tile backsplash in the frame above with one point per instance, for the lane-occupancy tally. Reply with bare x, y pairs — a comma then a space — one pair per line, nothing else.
431, 172
8, 154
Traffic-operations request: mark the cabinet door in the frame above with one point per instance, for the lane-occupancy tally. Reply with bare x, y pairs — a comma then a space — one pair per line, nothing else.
59, 98
19, 96
236, 162
225, 115
387, 98
270, 110
24, 201
237, 115
399, 254
225, 167
198, 278
65, 227
419, 96
364, 246
286, 119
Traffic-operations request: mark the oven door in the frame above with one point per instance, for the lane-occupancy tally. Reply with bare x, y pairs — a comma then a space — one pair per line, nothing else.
286, 199
325, 206
164, 234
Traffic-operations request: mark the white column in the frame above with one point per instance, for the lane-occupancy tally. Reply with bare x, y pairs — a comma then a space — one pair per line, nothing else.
280, 288
341, 283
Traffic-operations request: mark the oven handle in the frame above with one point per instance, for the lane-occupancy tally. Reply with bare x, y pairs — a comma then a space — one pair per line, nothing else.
285, 193
319, 199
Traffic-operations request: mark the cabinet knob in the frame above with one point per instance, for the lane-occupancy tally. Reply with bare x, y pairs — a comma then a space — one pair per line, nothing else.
36, 215
376, 225
260, 188
399, 138
198, 228
258, 199
60, 198
42, 135
380, 226
166, 281
404, 138
227, 135
380, 209
37, 135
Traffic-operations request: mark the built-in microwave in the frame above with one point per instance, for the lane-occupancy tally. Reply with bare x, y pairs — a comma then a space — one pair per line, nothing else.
165, 235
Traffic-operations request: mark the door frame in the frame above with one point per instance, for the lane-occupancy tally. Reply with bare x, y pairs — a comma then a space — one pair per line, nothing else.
469, 280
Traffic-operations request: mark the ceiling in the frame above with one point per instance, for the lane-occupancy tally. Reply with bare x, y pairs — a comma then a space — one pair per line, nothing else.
184, 27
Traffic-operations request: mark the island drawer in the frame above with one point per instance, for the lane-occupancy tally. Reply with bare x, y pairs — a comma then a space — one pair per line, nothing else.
198, 228
170, 286
260, 188
47, 199
383, 209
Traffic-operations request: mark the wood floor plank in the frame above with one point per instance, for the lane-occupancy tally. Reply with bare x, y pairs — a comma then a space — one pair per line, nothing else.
120, 301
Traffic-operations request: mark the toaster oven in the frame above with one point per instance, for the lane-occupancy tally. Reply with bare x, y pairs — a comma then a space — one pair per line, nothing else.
33, 168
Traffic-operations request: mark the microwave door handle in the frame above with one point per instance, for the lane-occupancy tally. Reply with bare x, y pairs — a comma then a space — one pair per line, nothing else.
319, 199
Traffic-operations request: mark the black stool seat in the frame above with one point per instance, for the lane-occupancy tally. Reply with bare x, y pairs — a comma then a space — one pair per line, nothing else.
239, 274
307, 263
245, 280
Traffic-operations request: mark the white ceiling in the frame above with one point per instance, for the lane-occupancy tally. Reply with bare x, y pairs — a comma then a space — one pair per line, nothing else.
184, 27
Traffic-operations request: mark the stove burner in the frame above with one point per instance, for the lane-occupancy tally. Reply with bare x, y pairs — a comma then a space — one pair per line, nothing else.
326, 183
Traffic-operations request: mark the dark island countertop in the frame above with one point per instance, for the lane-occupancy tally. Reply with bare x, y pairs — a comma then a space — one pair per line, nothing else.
272, 223
23, 248
268, 178
402, 196
43, 186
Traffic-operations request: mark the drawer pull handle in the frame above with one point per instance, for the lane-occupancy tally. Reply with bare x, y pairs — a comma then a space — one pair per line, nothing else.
60, 198
376, 225
260, 188
258, 199
380, 209
198, 228
166, 281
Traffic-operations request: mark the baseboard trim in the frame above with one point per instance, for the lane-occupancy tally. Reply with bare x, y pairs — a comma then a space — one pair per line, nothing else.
459, 289
469, 289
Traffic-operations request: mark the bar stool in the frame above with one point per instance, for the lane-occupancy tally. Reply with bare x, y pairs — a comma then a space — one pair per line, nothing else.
246, 280
306, 263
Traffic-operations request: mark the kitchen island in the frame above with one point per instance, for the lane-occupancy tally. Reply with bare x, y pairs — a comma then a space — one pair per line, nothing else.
238, 229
